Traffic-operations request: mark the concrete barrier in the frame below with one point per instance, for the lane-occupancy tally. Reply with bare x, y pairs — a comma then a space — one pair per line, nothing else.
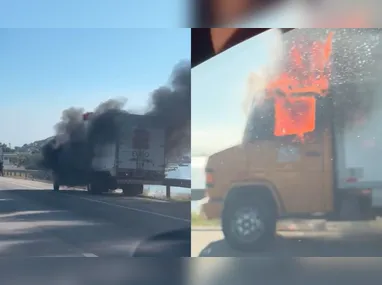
28, 174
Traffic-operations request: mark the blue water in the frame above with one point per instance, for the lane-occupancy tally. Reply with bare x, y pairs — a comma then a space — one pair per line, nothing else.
195, 171
182, 172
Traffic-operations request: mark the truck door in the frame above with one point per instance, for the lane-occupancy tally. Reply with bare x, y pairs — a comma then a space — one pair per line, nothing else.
298, 174
296, 169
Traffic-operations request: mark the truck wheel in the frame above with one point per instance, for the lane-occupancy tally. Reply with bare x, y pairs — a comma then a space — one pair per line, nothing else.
249, 223
133, 190
350, 209
56, 186
94, 189
138, 189
126, 190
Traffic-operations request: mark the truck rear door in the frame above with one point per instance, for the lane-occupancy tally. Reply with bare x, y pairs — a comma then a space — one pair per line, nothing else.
141, 153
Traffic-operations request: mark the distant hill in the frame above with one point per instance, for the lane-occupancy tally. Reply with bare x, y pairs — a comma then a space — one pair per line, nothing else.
33, 147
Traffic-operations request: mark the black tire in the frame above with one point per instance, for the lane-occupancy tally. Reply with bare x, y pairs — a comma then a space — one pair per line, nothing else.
132, 190
138, 189
350, 209
266, 214
95, 189
56, 186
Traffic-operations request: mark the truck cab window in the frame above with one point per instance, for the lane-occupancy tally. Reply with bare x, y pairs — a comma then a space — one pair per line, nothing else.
261, 122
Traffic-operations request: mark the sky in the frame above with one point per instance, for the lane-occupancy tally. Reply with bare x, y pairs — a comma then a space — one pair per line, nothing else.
93, 13
44, 71
218, 92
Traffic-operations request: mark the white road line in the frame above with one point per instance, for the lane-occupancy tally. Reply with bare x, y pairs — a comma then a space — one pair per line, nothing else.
88, 254
111, 204
62, 255
135, 209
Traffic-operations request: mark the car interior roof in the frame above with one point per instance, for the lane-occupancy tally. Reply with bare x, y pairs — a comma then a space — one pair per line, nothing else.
202, 46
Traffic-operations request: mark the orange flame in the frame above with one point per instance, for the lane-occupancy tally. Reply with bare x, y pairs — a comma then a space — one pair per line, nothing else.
295, 92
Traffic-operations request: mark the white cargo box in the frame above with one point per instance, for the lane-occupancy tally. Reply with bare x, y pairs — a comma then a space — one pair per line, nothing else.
122, 155
358, 148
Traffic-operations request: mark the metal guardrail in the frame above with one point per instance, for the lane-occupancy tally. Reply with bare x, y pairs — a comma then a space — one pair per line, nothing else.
47, 176
28, 174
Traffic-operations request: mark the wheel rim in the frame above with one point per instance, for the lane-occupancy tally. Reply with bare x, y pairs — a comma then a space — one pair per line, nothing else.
247, 225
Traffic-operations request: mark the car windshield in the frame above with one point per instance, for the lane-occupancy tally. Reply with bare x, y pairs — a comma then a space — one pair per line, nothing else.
296, 113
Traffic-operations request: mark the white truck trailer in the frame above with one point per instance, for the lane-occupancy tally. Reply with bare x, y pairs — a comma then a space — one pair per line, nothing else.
135, 158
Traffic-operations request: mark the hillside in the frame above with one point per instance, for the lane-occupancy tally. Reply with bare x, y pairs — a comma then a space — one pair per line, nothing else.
32, 147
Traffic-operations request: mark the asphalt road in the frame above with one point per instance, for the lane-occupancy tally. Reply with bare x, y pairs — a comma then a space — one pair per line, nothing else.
37, 222
286, 271
91, 271
300, 239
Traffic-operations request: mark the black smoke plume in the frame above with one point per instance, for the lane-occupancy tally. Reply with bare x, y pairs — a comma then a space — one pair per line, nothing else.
71, 151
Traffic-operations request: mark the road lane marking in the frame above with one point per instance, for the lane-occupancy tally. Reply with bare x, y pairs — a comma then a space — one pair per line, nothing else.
134, 209
109, 204
81, 255
88, 254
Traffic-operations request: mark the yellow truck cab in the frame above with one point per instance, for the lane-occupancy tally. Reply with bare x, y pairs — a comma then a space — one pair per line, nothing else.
331, 173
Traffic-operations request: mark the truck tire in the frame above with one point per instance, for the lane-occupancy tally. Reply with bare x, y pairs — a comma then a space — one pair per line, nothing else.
56, 186
249, 221
95, 189
133, 190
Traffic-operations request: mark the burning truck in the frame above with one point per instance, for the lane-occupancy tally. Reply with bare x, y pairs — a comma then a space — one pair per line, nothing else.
111, 148
134, 156
312, 144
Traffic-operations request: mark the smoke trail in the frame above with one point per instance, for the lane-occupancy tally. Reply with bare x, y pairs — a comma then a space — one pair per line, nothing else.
71, 127
71, 150
103, 126
258, 80
172, 106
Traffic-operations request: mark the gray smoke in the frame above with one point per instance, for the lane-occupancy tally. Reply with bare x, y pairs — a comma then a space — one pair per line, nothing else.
71, 149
